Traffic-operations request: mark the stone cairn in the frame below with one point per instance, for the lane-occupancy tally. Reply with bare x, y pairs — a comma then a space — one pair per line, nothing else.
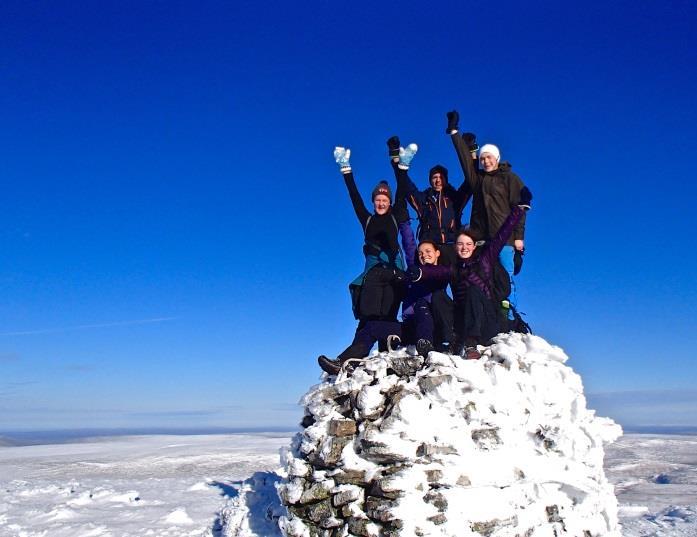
407, 445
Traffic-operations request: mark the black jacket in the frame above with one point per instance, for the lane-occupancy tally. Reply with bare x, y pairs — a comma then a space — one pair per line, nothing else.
380, 229
493, 194
439, 213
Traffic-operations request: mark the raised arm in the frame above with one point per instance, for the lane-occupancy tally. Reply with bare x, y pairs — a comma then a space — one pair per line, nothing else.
463, 151
400, 158
400, 211
341, 156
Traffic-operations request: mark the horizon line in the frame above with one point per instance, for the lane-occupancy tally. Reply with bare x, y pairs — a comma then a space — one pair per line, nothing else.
88, 326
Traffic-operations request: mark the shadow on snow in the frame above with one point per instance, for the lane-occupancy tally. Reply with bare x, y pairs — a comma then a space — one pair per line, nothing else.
253, 507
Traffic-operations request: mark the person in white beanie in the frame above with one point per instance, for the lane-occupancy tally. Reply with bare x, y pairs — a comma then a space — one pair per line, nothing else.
494, 189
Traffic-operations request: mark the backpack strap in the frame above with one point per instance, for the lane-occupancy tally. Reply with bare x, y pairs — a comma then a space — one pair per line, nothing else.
377, 248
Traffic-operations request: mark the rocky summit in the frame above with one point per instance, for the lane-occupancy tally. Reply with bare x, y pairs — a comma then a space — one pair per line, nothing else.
411, 446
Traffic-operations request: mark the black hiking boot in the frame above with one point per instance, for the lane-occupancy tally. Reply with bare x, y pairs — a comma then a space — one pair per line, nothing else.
423, 347
456, 348
330, 366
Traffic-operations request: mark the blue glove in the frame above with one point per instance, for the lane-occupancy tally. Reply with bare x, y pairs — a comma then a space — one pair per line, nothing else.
342, 156
406, 154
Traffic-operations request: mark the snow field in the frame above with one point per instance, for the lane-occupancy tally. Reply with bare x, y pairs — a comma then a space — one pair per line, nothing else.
632, 464
128, 486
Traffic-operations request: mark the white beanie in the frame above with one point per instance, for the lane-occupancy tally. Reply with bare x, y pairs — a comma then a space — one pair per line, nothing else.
492, 150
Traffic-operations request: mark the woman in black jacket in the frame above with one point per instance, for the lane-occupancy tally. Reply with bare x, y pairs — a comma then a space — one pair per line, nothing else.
377, 292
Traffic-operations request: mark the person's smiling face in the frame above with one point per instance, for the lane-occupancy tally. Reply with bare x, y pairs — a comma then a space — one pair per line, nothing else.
465, 246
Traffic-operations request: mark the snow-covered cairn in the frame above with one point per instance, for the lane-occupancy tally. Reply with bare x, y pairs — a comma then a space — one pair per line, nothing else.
502, 446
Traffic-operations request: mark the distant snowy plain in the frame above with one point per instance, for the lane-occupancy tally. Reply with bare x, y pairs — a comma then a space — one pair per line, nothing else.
223, 486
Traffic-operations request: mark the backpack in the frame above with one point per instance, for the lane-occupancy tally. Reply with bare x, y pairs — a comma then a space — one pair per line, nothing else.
378, 296
500, 288
517, 324
501, 283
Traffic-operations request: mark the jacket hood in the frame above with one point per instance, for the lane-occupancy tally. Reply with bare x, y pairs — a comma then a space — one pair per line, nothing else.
504, 167
438, 168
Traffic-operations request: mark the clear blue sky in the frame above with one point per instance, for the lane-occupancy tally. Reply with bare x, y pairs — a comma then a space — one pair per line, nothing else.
177, 241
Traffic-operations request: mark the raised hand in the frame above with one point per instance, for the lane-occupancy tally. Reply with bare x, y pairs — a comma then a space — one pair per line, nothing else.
342, 156
406, 154
453, 120
471, 140
393, 147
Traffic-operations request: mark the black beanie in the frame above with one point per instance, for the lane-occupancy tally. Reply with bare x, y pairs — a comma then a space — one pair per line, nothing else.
438, 169
382, 188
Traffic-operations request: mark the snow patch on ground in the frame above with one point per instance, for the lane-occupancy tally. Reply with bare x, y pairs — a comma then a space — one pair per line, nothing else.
178, 516
145, 486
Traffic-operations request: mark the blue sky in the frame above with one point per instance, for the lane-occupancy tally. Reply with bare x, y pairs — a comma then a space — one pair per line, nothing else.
178, 241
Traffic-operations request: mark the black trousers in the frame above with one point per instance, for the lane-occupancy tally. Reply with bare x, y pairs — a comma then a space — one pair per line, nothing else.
443, 318
476, 318
431, 320
367, 334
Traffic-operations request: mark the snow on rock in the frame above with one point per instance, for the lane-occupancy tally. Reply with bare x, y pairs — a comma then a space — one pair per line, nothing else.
178, 516
502, 446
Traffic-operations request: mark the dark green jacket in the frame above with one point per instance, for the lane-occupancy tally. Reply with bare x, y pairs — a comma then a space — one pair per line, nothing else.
493, 194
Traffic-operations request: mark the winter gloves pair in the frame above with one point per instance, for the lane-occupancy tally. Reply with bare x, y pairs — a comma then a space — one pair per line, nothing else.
402, 155
452, 128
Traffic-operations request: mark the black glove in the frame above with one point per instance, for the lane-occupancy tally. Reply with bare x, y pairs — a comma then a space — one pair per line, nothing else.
413, 273
471, 140
525, 198
400, 276
518, 261
393, 146
453, 120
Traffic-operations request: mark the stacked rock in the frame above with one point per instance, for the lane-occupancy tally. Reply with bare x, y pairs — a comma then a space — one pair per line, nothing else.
407, 445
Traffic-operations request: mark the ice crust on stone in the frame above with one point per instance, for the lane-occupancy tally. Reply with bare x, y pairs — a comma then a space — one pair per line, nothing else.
501, 446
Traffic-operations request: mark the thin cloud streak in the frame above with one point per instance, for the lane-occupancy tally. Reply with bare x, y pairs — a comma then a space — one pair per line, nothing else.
89, 326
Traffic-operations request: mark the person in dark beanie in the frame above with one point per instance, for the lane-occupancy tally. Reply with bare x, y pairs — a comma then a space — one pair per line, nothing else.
494, 188
377, 292
476, 315
438, 208
427, 310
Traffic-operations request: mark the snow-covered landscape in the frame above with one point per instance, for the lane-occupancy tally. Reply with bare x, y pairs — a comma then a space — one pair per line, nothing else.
198, 486
403, 445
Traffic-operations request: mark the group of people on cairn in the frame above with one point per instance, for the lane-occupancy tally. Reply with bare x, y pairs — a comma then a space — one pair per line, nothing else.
477, 261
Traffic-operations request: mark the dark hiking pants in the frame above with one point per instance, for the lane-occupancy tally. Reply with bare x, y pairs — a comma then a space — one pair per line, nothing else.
476, 317
367, 333
431, 320
442, 309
